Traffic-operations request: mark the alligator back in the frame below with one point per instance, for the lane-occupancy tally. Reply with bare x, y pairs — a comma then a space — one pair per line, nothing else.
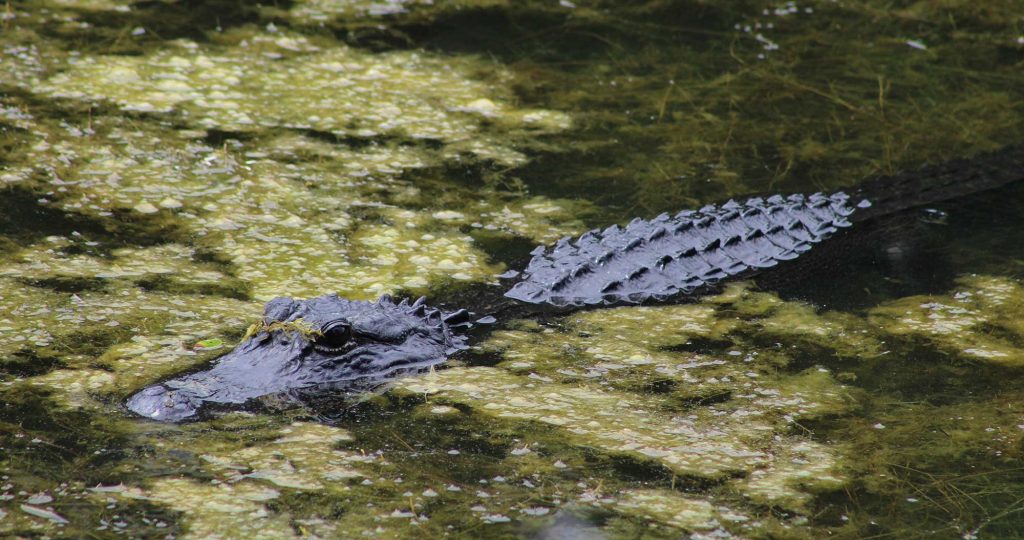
686, 253
681, 254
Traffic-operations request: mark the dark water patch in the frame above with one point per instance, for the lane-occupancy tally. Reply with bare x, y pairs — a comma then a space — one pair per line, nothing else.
27, 216
67, 284
217, 138
794, 353
479, 358
68, 438
204, 254
352, 141
703, 345
908, 253
545, 32
141, 230
688, 399
660, 386
459, 178
93, 342
513, 251
373, 37
650, 473
227, 288
982, 233
678, 103
27, 219
65, 454
916, 372
30, 362
918, 476
1000, 332
150, 24
392, 424
865, 266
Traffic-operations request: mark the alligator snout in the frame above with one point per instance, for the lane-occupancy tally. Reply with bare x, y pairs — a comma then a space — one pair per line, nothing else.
165, 404
323, 344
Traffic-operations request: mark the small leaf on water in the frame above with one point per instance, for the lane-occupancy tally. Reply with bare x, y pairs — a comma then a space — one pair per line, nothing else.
208, 344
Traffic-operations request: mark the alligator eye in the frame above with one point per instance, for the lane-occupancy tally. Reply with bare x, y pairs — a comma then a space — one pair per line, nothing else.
334, 336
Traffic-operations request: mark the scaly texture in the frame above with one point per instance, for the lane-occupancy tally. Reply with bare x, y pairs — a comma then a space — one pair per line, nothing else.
680, 254
326, 343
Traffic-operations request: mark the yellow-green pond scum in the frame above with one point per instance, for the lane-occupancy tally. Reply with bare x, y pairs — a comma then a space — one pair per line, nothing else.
166, 167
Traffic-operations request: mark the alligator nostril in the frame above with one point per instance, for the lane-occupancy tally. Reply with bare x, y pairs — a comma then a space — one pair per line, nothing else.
161, 403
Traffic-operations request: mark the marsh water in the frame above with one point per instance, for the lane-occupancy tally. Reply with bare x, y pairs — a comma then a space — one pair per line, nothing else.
166, 166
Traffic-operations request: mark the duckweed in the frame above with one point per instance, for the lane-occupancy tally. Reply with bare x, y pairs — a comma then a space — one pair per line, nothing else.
168, 177
261, 219
281, 80
978, 320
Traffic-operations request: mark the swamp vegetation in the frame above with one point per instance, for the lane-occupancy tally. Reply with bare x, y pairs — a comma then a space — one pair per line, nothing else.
166, 166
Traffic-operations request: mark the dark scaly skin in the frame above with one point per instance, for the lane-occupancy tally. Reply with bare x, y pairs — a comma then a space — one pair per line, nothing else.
686, 254
682, 254
321, 344
329, 344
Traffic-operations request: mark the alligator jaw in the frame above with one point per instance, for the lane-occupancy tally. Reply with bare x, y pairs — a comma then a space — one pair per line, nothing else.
164, 404
300, 348
260, 365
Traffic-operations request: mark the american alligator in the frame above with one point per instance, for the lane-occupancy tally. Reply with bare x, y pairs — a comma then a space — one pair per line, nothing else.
329, 344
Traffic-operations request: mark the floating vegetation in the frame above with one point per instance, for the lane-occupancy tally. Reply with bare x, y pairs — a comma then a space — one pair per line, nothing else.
95, 343
261, 216
978, 321
167, 167
280, 80
261, 207
320, 11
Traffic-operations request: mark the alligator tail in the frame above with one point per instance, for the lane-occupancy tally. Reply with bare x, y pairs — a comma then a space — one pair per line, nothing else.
935, 183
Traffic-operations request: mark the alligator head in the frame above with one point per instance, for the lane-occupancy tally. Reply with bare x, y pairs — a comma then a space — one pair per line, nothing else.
321, 344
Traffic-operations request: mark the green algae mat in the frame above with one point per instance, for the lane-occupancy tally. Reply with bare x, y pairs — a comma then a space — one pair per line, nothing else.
166, 166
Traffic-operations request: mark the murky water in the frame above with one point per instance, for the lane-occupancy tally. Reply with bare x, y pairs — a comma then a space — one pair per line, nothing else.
167, 166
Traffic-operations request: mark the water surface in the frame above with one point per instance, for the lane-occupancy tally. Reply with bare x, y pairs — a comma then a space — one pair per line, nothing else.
168, 166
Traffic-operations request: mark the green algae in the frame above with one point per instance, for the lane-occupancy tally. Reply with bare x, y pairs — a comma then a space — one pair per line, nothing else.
110, 343
933, 469
90, 5
709, 444
302, 457
264, 207
195, 177
114, 333
714, 416
258, 216
549, 422
298, 326
281, 80
979, 320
